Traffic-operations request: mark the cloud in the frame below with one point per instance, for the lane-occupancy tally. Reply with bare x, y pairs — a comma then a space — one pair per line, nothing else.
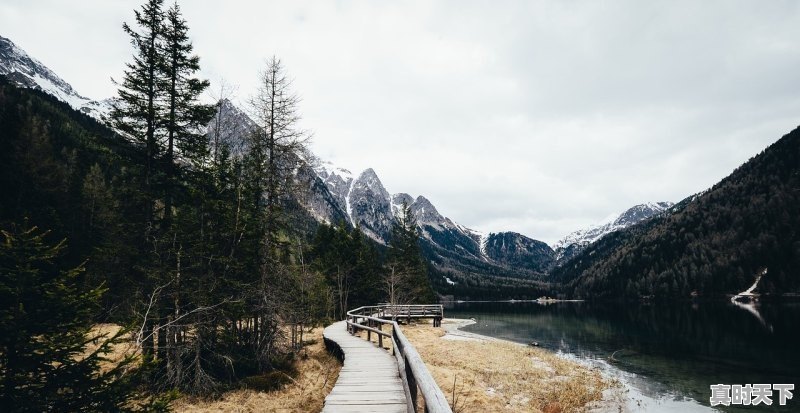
538, 117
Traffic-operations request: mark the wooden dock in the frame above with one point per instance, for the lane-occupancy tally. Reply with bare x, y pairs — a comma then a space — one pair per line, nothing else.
369, 380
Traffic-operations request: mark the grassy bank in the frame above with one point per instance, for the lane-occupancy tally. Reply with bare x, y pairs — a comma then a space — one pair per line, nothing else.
480, 374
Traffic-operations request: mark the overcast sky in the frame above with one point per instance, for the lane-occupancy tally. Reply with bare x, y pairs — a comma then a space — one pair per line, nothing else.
539, 117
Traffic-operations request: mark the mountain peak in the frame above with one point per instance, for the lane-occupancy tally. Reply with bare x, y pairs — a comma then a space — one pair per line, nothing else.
369, 179
640, 212
18, 66
426, 213
368, 173
368, 205
576, 241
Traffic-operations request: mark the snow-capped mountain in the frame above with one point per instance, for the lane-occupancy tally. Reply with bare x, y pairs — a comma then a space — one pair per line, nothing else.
339, 181
369, 206
448, 245
335, 194
28, 72
364, 200
575, 242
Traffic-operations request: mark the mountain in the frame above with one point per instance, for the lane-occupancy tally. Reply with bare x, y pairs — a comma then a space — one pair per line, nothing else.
451, 248
369, 206
515, 250
461, 259
230, 126
364, 200
28, 72
712, 243
334, 194
574, 243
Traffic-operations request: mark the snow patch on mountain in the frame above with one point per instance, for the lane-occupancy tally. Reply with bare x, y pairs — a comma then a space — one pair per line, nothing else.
483, 240
28, 72
580, 239
339, 182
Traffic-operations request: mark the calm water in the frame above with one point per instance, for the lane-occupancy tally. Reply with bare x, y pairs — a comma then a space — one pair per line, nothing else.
669, 352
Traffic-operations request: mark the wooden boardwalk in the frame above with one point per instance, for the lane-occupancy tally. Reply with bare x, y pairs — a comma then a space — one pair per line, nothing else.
369, 380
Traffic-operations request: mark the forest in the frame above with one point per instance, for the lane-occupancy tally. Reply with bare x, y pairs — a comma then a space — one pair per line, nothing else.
199, 250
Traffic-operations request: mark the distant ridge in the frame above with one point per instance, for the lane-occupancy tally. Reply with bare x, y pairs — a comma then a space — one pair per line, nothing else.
712, 243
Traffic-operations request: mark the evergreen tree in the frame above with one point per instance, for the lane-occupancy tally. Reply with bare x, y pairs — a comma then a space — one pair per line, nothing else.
138, 112
185, 115
45, 357
366, 271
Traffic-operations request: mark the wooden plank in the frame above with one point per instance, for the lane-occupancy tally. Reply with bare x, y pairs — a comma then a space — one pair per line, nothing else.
358, 388
385, 408
369, 380
366, 398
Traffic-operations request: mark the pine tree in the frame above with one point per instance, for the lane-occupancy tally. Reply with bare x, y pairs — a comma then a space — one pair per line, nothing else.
187, 191
185, 115
366, 271
45, 334
138, 112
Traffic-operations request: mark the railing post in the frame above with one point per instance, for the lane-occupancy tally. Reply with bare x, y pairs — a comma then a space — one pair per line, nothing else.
412, 383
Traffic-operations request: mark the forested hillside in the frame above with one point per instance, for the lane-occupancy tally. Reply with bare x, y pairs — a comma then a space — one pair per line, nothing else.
712, 243
202, 251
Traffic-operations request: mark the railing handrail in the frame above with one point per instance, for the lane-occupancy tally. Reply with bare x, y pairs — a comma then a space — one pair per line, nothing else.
435, 401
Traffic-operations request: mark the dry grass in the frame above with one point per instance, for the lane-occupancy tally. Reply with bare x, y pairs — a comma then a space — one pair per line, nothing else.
102, 332
496, 376
490, 376
317, 372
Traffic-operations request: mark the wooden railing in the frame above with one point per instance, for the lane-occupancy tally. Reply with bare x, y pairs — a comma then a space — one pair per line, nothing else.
417, 380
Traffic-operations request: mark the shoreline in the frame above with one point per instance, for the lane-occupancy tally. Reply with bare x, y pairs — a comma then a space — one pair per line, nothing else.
612, 400
490, 374
630, 395
452, 328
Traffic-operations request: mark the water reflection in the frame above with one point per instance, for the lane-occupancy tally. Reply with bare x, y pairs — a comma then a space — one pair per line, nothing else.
751, 308
683, 347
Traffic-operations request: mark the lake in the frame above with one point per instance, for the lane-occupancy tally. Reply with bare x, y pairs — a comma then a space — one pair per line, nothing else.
667, 354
